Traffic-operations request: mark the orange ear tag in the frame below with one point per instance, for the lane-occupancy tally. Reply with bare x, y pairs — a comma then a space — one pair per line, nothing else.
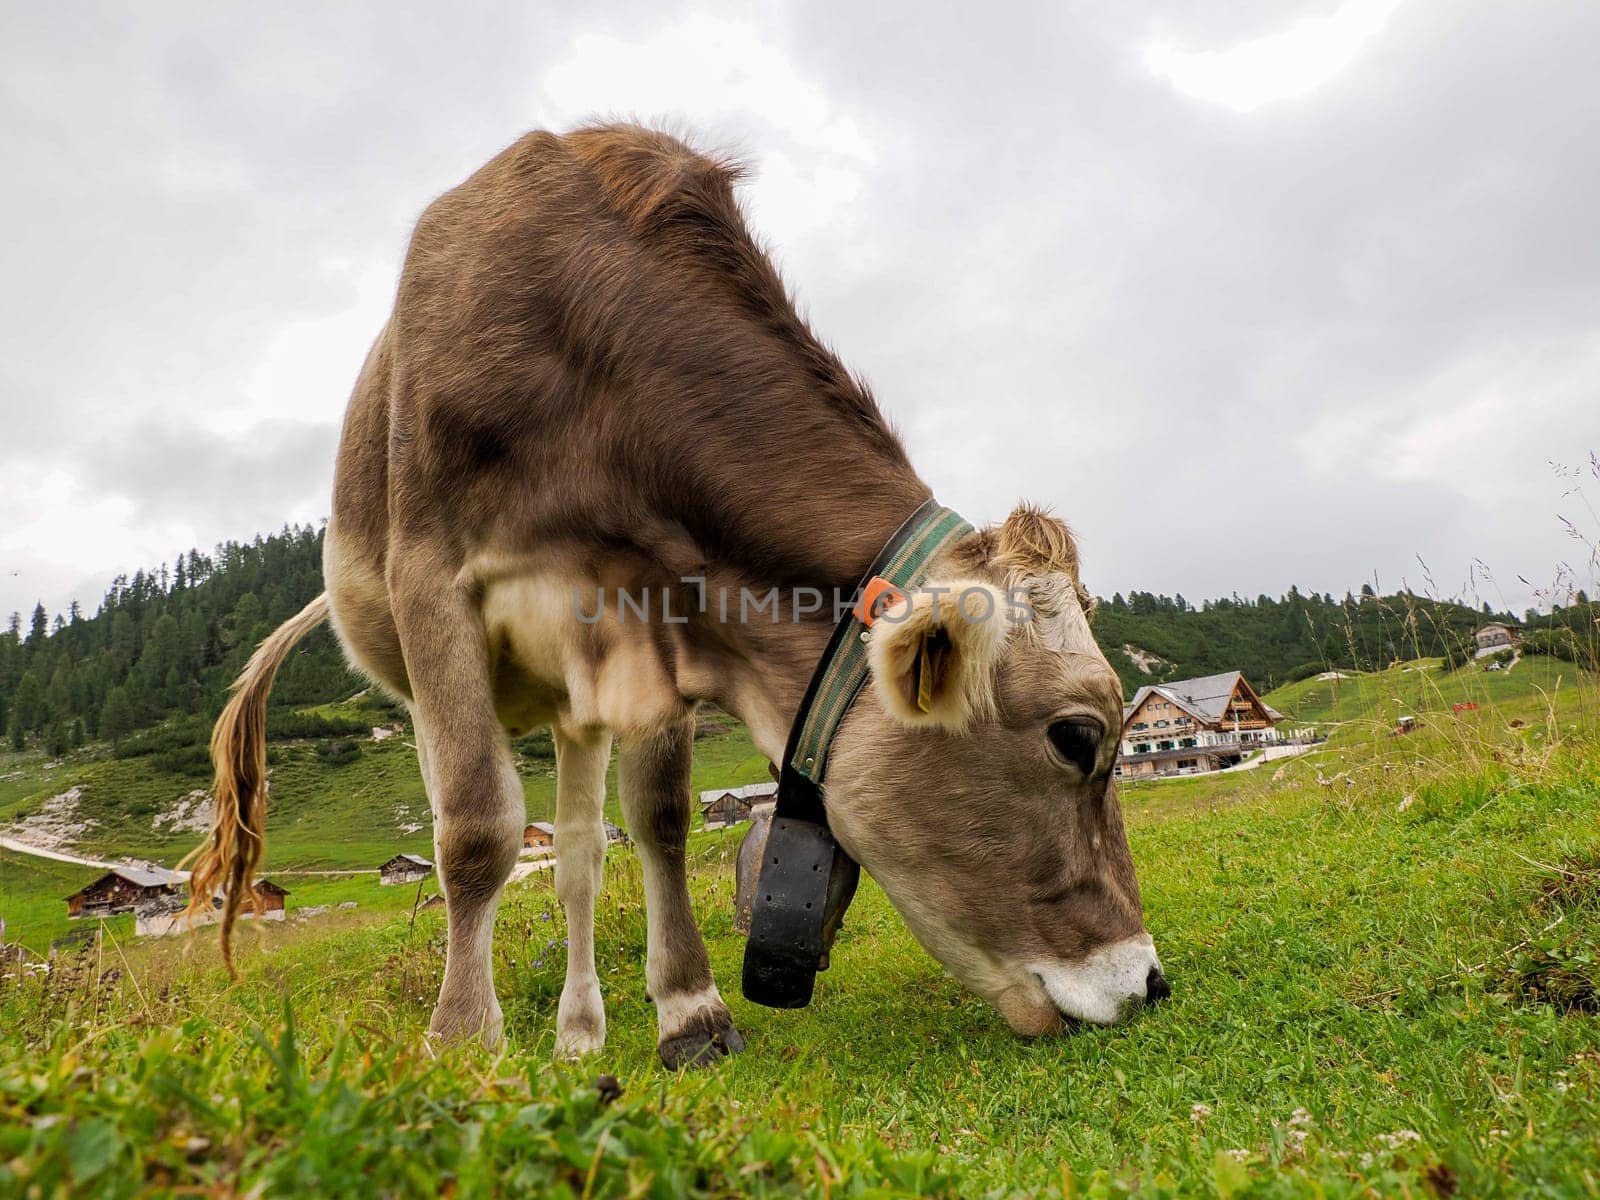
924, 678
878, 594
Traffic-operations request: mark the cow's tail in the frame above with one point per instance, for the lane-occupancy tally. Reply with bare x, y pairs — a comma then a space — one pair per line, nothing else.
225, 863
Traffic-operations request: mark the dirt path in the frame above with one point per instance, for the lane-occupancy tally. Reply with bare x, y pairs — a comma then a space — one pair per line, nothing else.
1268, 755
7, 843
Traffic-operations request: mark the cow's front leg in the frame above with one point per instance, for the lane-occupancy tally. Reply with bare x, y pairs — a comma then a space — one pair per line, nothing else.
472, 786
694, 1027
581, 759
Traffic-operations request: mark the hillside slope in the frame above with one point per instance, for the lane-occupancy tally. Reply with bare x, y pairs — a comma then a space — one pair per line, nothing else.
1424, 685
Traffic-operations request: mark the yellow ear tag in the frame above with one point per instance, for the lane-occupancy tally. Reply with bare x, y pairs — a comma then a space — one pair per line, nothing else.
924, 678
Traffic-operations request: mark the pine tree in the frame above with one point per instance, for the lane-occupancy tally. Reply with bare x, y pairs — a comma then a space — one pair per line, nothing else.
38, 627
27, 704
116, 718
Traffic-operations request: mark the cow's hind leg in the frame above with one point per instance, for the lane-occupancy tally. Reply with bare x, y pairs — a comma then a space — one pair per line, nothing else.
693, 1023
472, 787
581, 759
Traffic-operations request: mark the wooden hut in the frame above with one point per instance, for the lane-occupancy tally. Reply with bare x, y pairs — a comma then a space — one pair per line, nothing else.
539, 835
271, 896
404, 868
123, 889
724, 807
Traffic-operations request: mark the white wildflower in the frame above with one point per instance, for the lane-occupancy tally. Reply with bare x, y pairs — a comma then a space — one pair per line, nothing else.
1199, 1112
1297, 1132
1399, 1138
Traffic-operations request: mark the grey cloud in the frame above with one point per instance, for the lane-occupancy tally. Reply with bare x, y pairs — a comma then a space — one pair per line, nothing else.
251, 482
1065, 281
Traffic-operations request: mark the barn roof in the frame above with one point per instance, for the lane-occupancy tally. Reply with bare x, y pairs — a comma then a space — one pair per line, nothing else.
1205, 697
547, 826
415, 860
150, 875
750, 792
145, 875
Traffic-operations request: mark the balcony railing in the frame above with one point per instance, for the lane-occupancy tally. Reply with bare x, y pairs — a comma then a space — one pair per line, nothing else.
1227, 746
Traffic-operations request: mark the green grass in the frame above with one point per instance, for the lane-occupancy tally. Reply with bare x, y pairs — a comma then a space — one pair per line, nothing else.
1384, 984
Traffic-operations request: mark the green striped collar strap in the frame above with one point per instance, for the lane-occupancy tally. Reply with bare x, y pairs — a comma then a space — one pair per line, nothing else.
903, 563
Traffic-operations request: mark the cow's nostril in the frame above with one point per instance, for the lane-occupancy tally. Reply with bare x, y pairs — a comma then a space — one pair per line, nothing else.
1156, 986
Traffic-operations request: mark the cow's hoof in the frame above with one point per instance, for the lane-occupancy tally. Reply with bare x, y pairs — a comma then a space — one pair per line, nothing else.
580, 1021
463, 1022
579, 1042
701, 1045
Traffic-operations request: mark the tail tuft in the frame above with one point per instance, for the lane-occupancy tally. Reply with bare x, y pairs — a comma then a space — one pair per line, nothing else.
225, 863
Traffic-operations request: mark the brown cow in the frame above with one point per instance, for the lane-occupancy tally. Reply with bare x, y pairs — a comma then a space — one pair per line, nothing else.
594, 383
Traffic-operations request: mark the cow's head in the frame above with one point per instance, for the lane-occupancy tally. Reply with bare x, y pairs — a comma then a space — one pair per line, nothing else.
974, 782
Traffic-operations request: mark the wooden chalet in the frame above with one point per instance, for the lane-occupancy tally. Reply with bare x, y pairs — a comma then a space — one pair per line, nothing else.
721, 808
123, 889
404, 868
1193, 725
1494, 637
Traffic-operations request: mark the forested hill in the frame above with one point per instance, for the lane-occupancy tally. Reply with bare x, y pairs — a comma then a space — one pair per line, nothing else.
169, 641
1275, 641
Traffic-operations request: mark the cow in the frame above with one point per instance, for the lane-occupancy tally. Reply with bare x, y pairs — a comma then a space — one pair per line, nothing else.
593, 382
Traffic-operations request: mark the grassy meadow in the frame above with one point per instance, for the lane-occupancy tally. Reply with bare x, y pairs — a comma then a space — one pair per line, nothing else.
321, 817
1383, 958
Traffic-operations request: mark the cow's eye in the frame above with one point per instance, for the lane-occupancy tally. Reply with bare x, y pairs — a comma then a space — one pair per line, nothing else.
1077, 739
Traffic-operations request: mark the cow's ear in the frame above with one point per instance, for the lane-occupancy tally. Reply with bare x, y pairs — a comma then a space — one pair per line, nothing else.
933, 652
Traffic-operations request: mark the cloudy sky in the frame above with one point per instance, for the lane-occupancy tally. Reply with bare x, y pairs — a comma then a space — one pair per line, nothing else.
1255, 294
